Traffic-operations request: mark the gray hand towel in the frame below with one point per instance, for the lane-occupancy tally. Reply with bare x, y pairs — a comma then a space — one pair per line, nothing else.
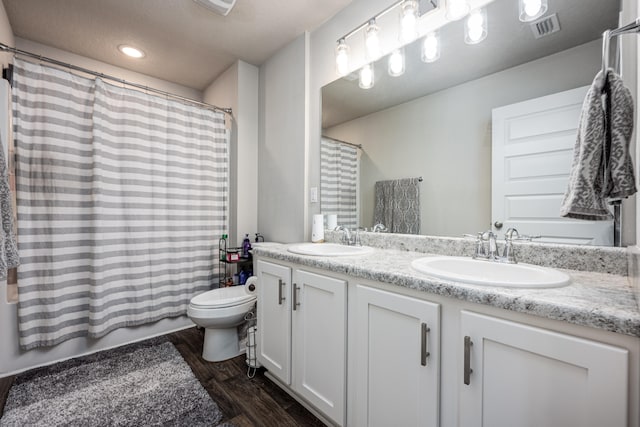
397, 205
601, 166
619, 177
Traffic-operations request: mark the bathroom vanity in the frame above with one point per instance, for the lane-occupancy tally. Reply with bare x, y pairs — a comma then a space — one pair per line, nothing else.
367, 340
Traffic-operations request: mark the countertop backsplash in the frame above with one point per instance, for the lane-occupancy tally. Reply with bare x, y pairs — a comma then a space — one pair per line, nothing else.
600, 259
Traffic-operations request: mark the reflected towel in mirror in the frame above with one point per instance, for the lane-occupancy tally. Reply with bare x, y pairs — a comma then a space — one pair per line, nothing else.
397, 205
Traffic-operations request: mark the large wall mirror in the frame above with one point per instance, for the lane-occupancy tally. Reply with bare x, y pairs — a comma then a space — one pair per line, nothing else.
435, 121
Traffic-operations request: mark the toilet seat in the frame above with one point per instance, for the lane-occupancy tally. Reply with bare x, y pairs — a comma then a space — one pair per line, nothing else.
222, 297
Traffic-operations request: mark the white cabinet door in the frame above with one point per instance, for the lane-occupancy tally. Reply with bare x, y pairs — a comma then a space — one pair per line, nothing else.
526, 376
274, 319
397, 362
319, 342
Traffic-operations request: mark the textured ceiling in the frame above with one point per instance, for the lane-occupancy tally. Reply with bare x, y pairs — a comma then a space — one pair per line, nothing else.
184, 42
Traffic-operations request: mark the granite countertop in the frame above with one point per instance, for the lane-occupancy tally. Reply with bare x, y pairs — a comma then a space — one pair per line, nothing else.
598, 300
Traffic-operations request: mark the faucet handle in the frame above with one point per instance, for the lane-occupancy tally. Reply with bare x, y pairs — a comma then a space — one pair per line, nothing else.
479, 251
356, 238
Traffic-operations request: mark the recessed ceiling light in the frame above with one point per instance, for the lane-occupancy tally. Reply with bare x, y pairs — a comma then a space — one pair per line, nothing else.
131, 51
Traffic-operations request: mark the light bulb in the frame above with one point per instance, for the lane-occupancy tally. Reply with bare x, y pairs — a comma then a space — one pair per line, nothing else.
396, 63
409, 21
475, 29
366, 77
457, 9
476, 20
475, 34
131, 51
532, 9
430, 48
342, 58
372, 42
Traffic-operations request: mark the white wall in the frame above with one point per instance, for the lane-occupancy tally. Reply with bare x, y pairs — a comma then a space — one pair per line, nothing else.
322, 71
282, 144
238, 88
247, 165
446, 138
6, 36
223, 92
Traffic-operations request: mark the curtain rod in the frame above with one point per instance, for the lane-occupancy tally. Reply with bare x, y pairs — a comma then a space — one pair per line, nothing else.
343, 142
5, 48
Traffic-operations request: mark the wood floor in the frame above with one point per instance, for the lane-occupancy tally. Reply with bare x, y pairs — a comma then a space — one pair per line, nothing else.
243, 401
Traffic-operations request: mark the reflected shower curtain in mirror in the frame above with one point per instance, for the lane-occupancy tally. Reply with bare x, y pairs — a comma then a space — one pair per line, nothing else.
121, 197
339, 181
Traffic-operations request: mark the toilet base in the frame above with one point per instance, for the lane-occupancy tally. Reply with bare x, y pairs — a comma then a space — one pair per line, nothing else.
220, 344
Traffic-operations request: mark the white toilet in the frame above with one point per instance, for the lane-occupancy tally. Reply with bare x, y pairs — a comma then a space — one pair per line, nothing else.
220, 311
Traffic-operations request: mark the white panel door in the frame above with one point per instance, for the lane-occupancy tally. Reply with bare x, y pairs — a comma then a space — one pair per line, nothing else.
397, 355
274, 319
526, 376
531, 159
319, 342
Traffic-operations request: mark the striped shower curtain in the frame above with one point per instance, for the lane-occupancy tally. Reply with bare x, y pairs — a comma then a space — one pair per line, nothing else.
121, 197
339, 181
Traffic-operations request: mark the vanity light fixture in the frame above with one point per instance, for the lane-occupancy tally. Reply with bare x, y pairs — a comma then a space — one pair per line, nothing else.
131, 51
396, 63
408, 21
530, 10
456, 9
475, 29
372, 41
366, 77
342, 58
410, 12
431, 48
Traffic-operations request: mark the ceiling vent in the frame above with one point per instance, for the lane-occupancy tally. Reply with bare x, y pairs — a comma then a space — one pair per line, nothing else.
221, 7
545, 26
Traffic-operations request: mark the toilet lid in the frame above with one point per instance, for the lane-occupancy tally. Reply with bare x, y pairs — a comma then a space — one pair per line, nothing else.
222, 297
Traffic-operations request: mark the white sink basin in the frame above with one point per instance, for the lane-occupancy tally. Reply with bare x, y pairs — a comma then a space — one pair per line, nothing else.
328, 249
479, 272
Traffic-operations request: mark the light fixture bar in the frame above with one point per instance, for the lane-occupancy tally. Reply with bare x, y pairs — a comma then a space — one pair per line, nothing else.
375, 17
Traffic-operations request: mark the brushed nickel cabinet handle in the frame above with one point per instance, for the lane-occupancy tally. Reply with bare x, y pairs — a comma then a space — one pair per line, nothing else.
424, 344
295, 297
467, 360
280, 286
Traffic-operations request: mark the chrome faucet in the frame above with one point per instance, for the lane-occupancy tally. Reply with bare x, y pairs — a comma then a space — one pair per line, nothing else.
379, 228
486, 246
509, 254
351, 238
346, 237
492, 245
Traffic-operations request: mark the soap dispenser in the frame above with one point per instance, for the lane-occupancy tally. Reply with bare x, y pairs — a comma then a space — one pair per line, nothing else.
246, 246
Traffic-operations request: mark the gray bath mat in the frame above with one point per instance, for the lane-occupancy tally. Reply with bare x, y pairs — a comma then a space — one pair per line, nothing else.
142, 384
